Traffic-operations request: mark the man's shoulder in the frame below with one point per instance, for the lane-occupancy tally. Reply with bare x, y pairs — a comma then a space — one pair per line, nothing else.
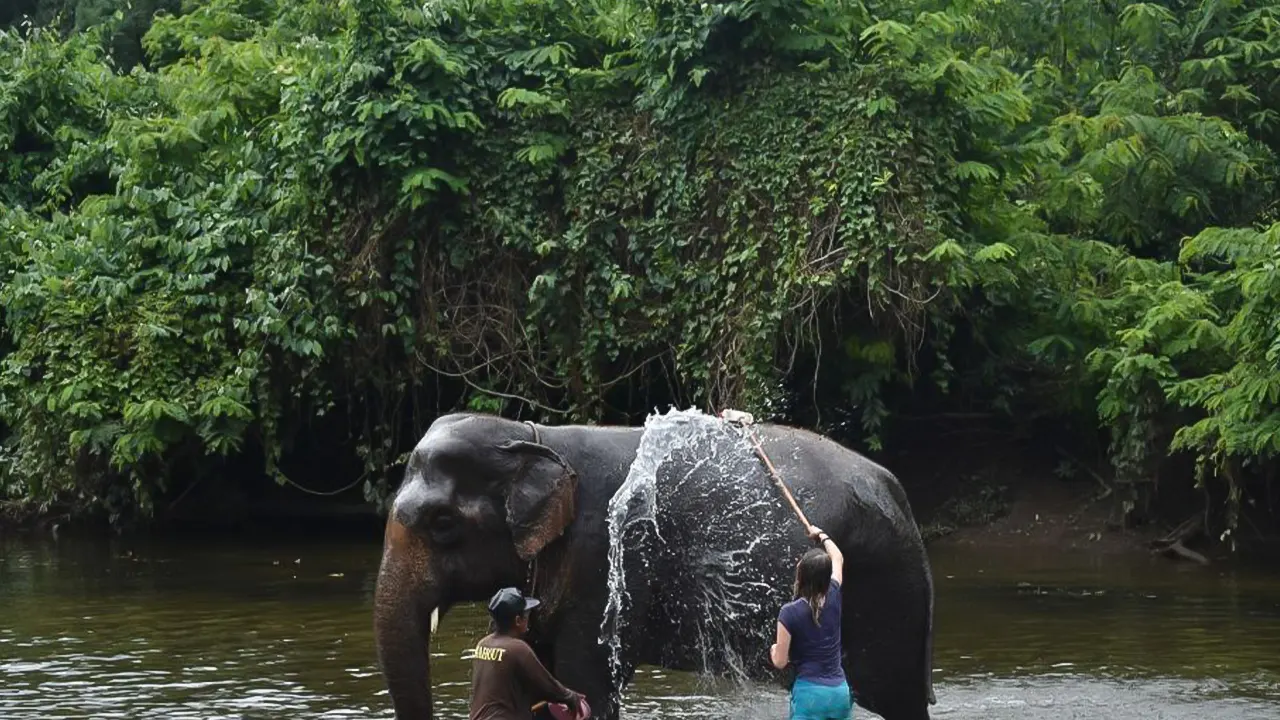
506, 642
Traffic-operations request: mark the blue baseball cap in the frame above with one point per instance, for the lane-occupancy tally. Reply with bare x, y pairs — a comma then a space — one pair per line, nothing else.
509, 603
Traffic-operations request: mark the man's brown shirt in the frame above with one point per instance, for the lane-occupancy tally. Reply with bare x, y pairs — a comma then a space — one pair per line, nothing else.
507, 679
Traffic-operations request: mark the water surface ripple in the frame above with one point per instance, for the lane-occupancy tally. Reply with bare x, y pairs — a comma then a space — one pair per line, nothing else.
264, 629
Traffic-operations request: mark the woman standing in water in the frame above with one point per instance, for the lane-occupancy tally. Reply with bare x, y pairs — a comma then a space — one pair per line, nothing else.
809, 636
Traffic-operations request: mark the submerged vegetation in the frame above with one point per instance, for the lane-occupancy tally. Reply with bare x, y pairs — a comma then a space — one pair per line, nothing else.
229, 226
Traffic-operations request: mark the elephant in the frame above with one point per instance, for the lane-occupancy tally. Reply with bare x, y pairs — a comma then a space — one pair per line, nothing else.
686, 571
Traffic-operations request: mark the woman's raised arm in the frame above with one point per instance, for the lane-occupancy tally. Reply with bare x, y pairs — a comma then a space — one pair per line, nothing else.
837, 559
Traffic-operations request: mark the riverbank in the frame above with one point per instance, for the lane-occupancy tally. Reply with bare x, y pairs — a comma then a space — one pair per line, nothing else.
975, 487
981, 487
1070, 516
981, 514
306, 517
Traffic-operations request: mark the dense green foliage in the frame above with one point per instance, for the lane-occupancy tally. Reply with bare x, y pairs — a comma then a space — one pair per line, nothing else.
296, 209
123, 23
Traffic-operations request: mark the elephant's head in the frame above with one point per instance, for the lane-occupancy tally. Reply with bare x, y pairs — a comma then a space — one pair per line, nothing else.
480, 499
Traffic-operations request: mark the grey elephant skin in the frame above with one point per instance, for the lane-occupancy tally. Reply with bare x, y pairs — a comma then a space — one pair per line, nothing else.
487, 503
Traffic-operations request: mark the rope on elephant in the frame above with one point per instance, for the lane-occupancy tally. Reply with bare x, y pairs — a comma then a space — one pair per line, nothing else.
744, 421
324, 493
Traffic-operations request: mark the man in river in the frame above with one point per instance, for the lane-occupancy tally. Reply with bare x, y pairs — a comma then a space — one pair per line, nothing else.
507, 678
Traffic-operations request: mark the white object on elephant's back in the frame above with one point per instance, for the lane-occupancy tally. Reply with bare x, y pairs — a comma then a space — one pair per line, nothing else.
728, 601
737, 417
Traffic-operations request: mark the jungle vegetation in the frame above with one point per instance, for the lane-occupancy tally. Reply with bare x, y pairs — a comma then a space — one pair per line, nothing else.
230, 227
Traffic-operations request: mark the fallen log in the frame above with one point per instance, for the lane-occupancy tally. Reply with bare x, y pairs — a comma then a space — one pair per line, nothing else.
1179, 550
1174, 544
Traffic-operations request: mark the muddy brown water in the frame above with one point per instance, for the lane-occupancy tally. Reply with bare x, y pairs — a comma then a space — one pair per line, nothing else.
263, 629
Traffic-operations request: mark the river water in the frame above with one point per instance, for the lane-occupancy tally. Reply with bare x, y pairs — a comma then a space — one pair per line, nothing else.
258, 628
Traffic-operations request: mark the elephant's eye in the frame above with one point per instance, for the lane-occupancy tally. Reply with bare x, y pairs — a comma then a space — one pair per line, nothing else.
444, 524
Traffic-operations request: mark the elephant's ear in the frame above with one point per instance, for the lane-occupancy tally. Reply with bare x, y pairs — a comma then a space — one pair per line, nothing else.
540, 503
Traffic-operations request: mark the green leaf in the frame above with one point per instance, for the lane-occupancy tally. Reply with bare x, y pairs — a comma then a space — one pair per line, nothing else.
947, 250
995, 252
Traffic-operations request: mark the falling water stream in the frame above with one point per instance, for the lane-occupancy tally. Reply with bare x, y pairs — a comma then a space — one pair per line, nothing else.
633, 514
700, 520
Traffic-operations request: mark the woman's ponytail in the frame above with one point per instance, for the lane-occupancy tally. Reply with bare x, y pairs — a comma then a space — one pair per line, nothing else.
816, 602
813, 578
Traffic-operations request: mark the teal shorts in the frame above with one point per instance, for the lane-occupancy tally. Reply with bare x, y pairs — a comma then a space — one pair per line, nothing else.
811, 701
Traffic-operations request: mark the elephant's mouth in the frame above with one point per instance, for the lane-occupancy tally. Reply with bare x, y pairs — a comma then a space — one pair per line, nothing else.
445, 527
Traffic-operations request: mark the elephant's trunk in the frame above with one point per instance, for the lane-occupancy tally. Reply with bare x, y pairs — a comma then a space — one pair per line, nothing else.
404, 600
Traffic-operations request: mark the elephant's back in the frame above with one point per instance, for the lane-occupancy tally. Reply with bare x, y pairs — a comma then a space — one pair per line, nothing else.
836, 478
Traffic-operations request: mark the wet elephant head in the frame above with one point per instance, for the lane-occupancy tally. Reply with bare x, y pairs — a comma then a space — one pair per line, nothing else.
481, 497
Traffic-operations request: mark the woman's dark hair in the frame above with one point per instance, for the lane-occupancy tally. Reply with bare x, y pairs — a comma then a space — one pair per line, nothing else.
813, 578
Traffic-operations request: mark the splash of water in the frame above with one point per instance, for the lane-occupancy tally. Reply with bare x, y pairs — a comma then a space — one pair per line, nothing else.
697, 480
633, 512
733, 538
